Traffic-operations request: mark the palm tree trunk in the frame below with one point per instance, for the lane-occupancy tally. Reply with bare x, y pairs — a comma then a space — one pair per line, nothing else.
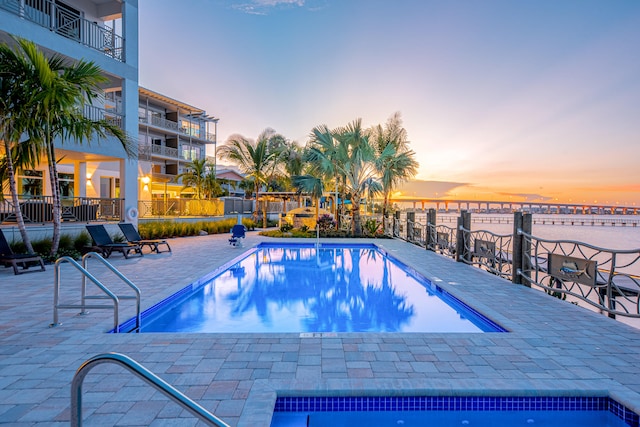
55, 192
14, 197
355, 216
264, 205
385, 208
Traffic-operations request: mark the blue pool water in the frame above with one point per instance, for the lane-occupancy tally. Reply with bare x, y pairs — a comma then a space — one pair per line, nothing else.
298, 288
451, 411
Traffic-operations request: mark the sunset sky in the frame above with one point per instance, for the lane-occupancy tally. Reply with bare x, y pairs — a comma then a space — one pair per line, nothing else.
502, 99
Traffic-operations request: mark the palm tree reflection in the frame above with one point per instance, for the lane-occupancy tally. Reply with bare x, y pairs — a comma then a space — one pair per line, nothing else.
326, 288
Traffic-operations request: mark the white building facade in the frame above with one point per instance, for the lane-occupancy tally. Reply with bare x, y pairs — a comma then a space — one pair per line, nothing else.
105, 32
171, 135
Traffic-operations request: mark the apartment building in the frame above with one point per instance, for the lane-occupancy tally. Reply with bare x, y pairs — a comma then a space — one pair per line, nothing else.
171, 135
105, 32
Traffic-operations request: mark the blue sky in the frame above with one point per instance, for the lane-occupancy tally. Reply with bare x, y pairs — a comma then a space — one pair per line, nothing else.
501, 99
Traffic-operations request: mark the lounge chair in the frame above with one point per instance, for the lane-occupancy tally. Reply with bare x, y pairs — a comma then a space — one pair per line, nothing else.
237, 233
132, 236
7, 257
102, 241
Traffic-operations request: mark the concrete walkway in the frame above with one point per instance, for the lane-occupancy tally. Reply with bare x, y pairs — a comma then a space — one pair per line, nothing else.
553, 348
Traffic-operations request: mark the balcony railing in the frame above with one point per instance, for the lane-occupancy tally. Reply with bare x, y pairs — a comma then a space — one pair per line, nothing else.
96, 113
175, 127
161, 150
48, 14
39, 209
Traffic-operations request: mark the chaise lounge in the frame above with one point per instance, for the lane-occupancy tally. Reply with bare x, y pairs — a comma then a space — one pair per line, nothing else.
103, 241
7, 257
133, 236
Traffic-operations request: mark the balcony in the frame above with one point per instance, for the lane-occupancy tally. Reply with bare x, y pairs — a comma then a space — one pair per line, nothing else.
54, 17
161, 150
92, 112
166, 124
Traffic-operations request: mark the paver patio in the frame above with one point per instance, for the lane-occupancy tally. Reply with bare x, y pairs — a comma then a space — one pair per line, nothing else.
553, 348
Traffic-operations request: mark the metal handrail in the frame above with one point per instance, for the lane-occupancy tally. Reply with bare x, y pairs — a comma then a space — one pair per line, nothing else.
85, 265
144, 374
83, 306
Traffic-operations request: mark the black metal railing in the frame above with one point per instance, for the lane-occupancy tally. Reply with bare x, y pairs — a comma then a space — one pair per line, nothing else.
607, 280
39, 209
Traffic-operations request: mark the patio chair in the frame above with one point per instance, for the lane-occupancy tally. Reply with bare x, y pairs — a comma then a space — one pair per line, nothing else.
103, 242
237, 233
7, 257
132, 236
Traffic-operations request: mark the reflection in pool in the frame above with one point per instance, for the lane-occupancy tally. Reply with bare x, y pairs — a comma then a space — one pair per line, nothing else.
298, 288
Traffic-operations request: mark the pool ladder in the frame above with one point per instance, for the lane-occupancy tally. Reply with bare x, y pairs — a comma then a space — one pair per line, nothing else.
83, 306
143, 373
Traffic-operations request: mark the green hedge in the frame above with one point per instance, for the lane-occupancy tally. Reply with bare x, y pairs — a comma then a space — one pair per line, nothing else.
167, 229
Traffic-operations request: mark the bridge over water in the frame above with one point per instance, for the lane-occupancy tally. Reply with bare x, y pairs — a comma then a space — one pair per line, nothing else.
510, 206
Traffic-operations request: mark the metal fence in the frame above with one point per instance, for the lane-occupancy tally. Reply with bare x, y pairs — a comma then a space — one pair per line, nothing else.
39, 209
182, 207
606, 280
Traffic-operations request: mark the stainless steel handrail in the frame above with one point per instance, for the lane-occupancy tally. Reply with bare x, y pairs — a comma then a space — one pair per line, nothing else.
83, 306
85, 265
144, 374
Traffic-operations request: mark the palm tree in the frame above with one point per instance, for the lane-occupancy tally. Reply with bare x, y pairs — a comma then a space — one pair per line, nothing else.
312, 185
258, 159
347, 154
395, 162
212, 187
61, 93
196, 177
291, 158
322, 154
17, 102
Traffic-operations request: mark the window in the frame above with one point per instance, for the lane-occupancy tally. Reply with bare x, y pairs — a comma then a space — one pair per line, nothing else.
65, 180
190, 153
105, 187
142, 114
191, 128
30, 183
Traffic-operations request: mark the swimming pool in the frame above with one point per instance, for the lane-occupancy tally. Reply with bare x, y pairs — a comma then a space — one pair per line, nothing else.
474, 411
306, 289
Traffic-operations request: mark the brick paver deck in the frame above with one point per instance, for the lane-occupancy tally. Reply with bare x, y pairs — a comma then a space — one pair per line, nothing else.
553, 347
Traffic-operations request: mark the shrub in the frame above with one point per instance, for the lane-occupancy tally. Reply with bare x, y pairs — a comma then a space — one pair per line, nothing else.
249, 223
326, 223
83, 239
167, 229
285, 227
42, 247
372, 227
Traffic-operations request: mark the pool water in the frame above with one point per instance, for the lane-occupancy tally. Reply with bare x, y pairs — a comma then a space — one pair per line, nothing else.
451, 411
451, 419
301, 288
